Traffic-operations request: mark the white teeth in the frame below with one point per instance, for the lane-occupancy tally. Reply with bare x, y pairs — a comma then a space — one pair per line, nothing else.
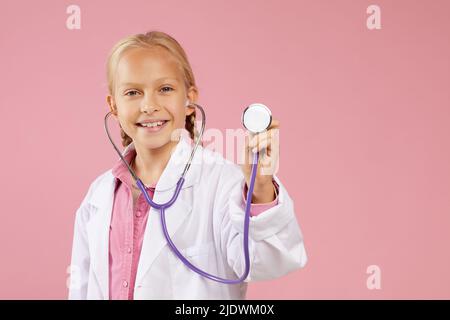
152, 124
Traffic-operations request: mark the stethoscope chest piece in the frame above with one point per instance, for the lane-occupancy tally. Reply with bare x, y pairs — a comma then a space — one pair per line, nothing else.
256, 118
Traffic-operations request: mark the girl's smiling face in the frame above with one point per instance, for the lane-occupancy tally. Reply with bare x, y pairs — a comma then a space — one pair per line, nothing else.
149, 85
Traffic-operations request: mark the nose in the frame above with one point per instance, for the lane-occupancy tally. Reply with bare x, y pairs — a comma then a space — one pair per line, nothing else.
148, 105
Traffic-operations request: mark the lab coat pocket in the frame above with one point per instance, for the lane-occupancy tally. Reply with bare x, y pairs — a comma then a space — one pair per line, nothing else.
187, 284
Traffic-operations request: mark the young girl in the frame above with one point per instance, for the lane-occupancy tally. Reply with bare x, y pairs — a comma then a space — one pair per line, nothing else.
119, 250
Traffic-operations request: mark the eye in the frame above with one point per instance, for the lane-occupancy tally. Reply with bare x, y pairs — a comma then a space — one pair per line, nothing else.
167, 88
127, 93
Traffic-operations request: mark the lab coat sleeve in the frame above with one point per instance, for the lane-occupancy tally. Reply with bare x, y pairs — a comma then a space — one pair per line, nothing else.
275, 240
80, 262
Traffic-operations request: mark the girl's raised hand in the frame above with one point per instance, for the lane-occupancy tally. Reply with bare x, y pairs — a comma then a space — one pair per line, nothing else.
267, 143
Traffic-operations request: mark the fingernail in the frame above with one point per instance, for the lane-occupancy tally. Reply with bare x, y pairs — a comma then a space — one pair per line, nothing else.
254, 150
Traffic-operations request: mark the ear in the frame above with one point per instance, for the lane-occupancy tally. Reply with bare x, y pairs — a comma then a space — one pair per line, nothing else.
190, 110
112, 106
192, 96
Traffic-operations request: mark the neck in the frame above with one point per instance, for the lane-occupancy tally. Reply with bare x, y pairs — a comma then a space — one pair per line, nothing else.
149, 164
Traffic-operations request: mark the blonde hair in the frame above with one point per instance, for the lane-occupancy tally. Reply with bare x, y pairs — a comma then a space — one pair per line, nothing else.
149, 40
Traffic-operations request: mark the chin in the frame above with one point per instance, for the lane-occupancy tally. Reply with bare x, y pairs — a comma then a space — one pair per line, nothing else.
153, 143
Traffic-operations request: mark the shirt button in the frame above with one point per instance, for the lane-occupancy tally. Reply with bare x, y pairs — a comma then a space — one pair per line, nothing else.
129, 250
138, 214
125, 284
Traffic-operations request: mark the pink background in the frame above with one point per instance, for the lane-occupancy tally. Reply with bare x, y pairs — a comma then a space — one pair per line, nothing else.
365, 130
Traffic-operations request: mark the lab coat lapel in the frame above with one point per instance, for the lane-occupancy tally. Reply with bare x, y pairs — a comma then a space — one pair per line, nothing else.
154, 239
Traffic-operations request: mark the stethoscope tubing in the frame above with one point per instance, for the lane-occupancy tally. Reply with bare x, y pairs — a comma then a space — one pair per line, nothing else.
168, 204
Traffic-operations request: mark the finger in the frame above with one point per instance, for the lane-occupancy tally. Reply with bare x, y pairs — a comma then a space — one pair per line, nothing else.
266, 162
247, 157
272, 135
275, 124
246, 150
270, 145
264, 144
260, 137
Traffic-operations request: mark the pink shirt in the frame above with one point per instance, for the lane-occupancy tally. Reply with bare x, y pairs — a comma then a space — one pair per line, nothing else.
127, 230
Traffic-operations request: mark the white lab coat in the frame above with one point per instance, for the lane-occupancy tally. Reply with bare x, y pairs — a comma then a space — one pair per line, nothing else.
205, 223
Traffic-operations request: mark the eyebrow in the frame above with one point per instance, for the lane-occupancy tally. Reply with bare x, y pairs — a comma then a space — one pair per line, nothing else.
125, 84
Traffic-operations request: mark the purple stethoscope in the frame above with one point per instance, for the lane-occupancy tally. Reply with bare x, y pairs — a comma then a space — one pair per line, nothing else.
256, 118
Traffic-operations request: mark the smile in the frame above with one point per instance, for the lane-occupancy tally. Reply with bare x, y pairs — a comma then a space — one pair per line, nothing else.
154, 126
